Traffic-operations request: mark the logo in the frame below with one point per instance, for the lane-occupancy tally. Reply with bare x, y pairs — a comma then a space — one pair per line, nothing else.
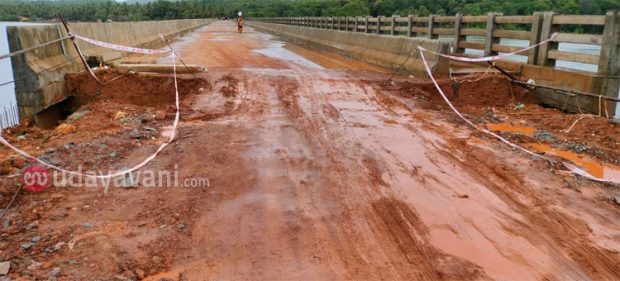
36, 178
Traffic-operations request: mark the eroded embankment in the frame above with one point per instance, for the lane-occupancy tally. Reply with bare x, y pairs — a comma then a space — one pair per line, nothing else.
109, 120
516, 112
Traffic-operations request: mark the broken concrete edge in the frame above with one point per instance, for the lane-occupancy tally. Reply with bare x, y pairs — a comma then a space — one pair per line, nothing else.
37, 89
382, 50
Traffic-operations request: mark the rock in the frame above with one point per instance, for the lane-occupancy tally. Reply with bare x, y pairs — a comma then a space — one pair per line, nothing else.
139, 273
65, 129
160, 115
32, 225
54, 272
617, 200
69, 145
58, 246
156, 259
134, 134
77, 115
36, 239
150, 129
21, 137
120, 115
50, 150
129, 181
543, 135
26, 246
181, 226
34, 265
5, 266
88, 224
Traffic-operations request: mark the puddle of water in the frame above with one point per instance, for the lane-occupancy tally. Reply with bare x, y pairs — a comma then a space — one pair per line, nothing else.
510, 128
276, 50
595, 168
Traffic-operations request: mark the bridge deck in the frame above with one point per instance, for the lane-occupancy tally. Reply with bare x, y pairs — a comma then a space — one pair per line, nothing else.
320, 171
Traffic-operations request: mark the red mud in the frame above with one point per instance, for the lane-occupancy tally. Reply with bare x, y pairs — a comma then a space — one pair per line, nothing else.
493, 102
315, 173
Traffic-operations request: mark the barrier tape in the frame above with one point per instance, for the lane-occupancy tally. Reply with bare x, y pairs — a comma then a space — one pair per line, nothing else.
147, 159
573, 168
121, 47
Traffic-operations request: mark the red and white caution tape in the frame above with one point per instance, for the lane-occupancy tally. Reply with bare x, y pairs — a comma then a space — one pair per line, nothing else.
145, 161
121, 47
573, 168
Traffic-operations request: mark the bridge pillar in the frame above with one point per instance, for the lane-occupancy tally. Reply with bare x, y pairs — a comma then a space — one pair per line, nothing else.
489, 38
609, 60
548, 28
458, 38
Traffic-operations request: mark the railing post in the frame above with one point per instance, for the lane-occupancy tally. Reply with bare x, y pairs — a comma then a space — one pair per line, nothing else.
545, 33
379, 19
489, 39
458, 38
609, 60
366, 21
431, 26
537, 20
392, 25
409, 25
355, 27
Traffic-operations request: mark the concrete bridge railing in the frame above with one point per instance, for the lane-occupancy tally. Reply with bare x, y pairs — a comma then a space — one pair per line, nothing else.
604, 31
39, 74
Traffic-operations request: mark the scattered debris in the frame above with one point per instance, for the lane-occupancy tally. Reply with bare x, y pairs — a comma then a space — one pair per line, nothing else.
5, 267
120, 115
26, 246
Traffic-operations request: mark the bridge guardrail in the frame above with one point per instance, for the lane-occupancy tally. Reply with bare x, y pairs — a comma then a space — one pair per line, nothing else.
492, 27
602, 30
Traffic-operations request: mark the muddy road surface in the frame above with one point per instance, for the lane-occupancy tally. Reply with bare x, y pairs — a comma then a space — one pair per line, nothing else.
316, 172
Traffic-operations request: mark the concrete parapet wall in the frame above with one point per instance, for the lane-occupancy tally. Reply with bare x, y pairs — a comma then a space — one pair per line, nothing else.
37, 87
384, 50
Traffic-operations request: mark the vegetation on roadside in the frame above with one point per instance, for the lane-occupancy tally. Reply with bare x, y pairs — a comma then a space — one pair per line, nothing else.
134, 10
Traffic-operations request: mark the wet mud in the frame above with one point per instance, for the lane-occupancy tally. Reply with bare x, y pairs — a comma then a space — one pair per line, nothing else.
319, 169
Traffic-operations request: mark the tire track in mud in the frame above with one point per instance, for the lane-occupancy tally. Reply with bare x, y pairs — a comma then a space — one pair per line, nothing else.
398, 225
411, 236
547, 228
324, 195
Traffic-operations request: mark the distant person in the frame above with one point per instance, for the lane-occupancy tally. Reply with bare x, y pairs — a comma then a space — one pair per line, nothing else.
240, 22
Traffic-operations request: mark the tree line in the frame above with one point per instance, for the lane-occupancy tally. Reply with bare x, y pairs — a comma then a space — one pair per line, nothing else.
108, 10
